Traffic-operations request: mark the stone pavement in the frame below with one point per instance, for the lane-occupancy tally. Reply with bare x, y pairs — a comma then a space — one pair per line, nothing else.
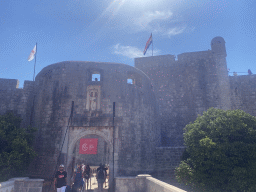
93, 186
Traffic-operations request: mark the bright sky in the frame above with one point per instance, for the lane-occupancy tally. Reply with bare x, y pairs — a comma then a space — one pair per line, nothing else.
117, 31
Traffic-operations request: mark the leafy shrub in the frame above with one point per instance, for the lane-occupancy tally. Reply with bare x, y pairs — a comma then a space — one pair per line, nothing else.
221, 152
16, 152
184, 173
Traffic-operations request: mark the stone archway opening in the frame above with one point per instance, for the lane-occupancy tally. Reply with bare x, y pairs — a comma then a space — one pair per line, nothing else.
102, 156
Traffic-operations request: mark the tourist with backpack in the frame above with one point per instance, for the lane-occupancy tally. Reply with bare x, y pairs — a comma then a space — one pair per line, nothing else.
78, 179
101, 176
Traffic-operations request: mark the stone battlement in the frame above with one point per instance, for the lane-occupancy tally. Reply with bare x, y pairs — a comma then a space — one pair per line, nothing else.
9, 84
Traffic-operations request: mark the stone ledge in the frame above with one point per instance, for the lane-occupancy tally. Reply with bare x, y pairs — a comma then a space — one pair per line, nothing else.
170, 147
124, 178
143, 183
6, 184
160, 186
21, 184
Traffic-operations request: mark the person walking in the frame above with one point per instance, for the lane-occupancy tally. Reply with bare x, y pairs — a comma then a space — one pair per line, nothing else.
78, 182
87, 175
101, 176
60, 180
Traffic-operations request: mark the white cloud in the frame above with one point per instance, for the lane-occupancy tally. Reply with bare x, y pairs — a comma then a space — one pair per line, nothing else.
149, 17
132, 52
161, 22
127, 51
175, 31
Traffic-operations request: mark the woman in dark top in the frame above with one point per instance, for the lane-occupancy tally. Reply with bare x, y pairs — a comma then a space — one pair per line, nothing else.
87, 174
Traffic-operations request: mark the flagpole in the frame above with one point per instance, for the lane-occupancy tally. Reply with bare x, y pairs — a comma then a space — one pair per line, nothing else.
114, 112
35, 64
152, 45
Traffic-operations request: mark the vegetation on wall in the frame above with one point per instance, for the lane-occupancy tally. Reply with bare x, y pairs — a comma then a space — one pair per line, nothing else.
221, 152
16, 150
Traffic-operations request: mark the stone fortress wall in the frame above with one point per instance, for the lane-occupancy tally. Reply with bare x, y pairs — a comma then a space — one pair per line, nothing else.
243, 93
186, 87
57, 85
15, 99
164, 90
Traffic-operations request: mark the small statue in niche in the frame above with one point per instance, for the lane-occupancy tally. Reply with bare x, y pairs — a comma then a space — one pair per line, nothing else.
93, 100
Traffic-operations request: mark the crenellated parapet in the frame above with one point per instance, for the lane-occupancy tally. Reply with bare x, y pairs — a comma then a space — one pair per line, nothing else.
15, 99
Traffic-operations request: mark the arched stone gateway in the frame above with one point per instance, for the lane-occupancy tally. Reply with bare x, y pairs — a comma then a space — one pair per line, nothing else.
104, 134
60, 85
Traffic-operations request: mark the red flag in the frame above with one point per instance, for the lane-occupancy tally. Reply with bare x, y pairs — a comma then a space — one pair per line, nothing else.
88, 146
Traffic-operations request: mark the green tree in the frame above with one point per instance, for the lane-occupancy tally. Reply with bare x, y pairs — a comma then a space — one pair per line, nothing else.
221, 152
16, 150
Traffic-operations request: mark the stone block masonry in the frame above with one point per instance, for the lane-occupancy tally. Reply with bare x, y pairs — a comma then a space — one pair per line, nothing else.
187, 87
136, 133
20, 101
243, 93
167, 159
184, 89
9, 84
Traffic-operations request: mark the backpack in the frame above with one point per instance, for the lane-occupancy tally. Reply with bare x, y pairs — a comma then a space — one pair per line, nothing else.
78, 177
101, 174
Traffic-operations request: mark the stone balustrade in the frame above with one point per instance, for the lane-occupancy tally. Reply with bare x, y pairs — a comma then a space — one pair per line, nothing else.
143, 183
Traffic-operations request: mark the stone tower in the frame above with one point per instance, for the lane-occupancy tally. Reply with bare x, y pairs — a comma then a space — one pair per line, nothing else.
134, 136
218, 46
187, 87
219, 55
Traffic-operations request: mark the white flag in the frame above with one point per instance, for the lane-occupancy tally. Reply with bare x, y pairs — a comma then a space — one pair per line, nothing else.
32, 54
